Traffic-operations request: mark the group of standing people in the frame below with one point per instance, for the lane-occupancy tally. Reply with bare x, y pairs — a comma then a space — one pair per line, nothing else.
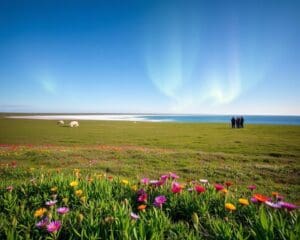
237, 122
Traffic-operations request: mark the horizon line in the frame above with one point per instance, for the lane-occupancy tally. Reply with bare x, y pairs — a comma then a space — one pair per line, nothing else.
151, 113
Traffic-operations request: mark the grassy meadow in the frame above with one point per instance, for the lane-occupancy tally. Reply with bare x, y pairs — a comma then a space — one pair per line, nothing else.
108, 159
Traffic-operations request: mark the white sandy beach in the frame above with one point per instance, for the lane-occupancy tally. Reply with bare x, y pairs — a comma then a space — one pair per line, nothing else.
134, 118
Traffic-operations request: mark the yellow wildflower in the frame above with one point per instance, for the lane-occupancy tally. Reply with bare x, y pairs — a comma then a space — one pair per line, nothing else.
99, 176
74, 184
134, 187
244, 201
230, 207
40, 212
224, 190
80, 217
83, 199
125, 182
53, 189
78, 193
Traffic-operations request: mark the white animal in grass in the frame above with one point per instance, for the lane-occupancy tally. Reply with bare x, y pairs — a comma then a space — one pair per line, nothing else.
74, 124
61, 122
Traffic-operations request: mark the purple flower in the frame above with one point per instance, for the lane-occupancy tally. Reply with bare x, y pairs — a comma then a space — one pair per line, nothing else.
43, 223
145, 181
159, 201
134, 216
51, 202
288, 206
254, 200
53, 226
63, 210
272, 204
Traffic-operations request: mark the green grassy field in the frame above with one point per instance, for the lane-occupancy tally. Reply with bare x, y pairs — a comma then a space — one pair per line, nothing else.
94, 172
268, 156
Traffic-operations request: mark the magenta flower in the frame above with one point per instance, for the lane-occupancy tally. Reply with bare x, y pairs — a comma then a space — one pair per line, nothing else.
43, 223
160, 183
219, 187
63, 210
254, 200
53, 226
252, 187
173, 176
143, 197
176, 188
134, 216
272, 204
200, 189
157, 183
159, 201
51, 202
164, 177
288, 206
145, 181
9, 188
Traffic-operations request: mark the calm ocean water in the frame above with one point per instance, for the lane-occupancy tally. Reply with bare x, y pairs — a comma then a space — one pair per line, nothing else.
286, 120
249, 119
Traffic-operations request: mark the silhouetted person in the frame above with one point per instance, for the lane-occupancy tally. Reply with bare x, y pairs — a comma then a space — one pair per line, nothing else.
232, 122
242, 122
238, 122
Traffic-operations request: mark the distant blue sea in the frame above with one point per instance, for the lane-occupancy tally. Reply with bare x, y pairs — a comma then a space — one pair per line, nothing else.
188, 118
285, 120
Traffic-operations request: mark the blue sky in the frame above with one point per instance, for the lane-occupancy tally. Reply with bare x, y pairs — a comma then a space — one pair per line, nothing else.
215, 57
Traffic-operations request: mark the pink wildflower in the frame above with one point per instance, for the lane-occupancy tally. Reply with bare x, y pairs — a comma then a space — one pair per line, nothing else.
200, 189
176, 188
51, 202
164, 177
159, 201
63, 210
43, 223
145, 181
143, 197
134, 216
53, 226
219, 187
173, 176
